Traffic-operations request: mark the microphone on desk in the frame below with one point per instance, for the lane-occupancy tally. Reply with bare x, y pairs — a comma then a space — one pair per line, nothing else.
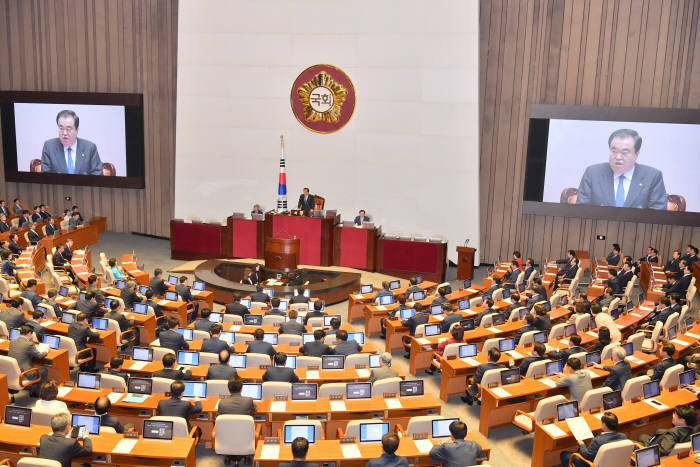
466, 242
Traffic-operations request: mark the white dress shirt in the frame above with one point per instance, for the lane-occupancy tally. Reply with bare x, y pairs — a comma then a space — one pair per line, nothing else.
626, 184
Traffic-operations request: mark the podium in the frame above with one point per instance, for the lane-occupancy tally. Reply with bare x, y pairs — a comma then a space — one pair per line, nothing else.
281, 254
465, 262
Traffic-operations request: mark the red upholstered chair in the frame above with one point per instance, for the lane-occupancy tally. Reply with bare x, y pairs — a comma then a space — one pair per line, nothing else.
108, 169
35, 165
320, 201
673, 202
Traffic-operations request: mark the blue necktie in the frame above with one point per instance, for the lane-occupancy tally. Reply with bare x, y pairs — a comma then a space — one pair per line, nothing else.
71, 167
620, 195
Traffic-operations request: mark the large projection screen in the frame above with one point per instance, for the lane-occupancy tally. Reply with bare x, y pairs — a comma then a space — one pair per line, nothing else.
410, 154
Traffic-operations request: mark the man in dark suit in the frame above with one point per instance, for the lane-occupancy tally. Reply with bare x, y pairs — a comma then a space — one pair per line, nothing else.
169, 370
148, 301
460, 451
183, 290
39, 330
494, 356
170, 338
442, 297
529, 326
450, 317
203, 324
176, 407
608, 434
4, 209
279, 372
306, 201
89, 306
36, 215
4, 225
236, 404
662, 312
673, 265
259, 345
69, 154
59, 446
129, 295
25, 220
691, 255
115, 368
25, 351
316, 348
259, 295
80, 332
299, 297
619, 282
33, 234
613, 257
684, 419
51, 301
488, 310
542, 319
74, 222
12, 316
538, 353
667, 361
236, 308
564, 354
43, 212
67, 249
102, 406
51, 227
17, 206
345, 347
8, 268
157, 284
300, 446
680, 285
381, 292
92, 287
275, 310
256, 210
652, 255
390, 443
214, 344
115, 314
292, 326
621, 181
529, 268
361, 219
30, 293
512, 276
222, 370
412, 287
620, 372
13, 246
416, 320
568, 275
316, 312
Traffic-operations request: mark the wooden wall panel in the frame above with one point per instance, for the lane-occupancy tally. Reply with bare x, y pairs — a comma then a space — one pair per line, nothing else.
628, 53
125, 46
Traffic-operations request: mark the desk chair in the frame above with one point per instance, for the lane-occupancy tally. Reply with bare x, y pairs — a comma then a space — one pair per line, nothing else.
160, 352
75, 357
254, 360
208, 358
26, 305
671, 377
37, 462
519, 280
351, 361
217, 387
299, 306
491, 378
9, 289
15, 377
43, 415
671, 323
487, 321
450, 350
123, 338
637, 340
515, 314
606, 353
558, 331
418, 424
497, 294
244, 337
233, 319
651, 344
593, 399
304, 361
50, 312
237, 436
3, 330
533, 275
583, 322
318, 428
199, 335
316, 321
273, 320
633, 387
528, 338
537, 369
546, 409
353, 428
270, 389
490, 344
684, 313
327, 389
161, 385
258, 305
420, 332
581, 357
179, 427
613, 304
289, 339
615, 453
108, 381
385, 385
476, 301
555, 299
330, 339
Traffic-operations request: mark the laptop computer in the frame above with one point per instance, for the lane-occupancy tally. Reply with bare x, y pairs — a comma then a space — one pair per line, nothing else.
394, 285
467, 351
252, 390
436, 310
142, 386
158, 429
271, 337
245, 302
171, 296
18, 416
327, 319
695, 444
140, 308
687, 378
99, 323
468, 324
567, 410
510, 376
14, 334
238, 361
90, 422
505, 345
120, 284
89, 380
358, 337
540, 337
418, 295
570, 330
187, 358
143, 354
63, 291
292, 432
358, 390
195, 389
386, 299
612, 399
143, 289
406, 313
411, 388
432, 330
332, 362
374, 360
651, 389
463, 304
67, 318
366, 289
647, 457
252, 320
173, 280
441, 427
307, 337
553, 368
198, 286
216, 317
52, 341
373, 432
228, 336
187, 333
291, 362
592, 358
467, 283
304, 391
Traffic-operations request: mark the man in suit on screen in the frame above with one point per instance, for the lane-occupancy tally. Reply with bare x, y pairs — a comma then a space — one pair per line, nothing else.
621, 182
69, 154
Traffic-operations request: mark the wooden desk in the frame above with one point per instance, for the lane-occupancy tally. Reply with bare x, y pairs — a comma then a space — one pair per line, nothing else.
355, 247
56, 362
247, 237
357, 302
190, 241
406, 258
169, 308
104, 351
240, 347
132, 269
315, 235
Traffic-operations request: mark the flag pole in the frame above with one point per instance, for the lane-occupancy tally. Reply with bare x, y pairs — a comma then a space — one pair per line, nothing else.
282, 185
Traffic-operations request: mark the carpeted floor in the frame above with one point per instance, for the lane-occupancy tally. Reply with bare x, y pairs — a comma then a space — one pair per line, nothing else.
508, 445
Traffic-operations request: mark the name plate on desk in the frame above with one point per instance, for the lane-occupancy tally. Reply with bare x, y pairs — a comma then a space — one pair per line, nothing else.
347, 439
389, 395
271, 440
335, 397
420, 435
280, 397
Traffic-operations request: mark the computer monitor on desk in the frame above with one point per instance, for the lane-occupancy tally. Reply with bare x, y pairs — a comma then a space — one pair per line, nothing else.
158, 429
18, 416
252, 390
292, 432
373, 432
441, 427
140, 386
358, 390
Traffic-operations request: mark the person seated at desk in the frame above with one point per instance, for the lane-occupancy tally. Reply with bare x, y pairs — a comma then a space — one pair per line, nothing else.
236, 404
539, 353
382, 292
609, 434
176, 407
183, 290
488, 310
102, 406
542, 320
129, 295
74, 222
158, 284
4, 210
577, 380
603, 340
275, 308
51, 301
89, 306
450, 317
17, 206
115, 368
613, 258
620, 372
279, 372
299, 297
24, 350
256, 210
59, 446
515, 302
8, 268
316, 348
494, 356
512, 276
79, 330
457, 333
39, 330
115, 314
222, 370
497, 284
335, 326
116, 273
300, 446
441, 298
47, 399
12, 316
412, 287
36, 217
307, 202
259, 345
25, 220
652, 255
401, 300
30, 293
683, 420
361, 218
345, 347
529, 326
13, 246
92, 287
565, 278
564, 354
691, 254
662, 312
667, 361
619, 281
680, 285
170, 338
292, 326
4, 225
51, 228
214, 344
236, 307
385, 370
33, 235
460, 452
390, 443
316, 312
420, 317
672, 266
579, 311
169, 370
203, 323
605, 320
606, 299
255, 276
259, 295
148, 301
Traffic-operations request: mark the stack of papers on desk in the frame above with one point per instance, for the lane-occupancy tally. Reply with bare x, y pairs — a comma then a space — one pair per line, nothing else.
633, 359
500, 392
619, 326
591, 372
278, 406
124, 446
680, 342
163, 302
114, 397
471, 361
694, 336
270, 451
361, 372
350, 451
592, 333
393, 403
439, 317
579, 428
636, 315
43, 348
646, 308
549, 382
494, 330
137, 365
48, 322
136, 398
63, 391
338, 406
235, 328
515, 354
472, 290
423, 341
564, 342
358, 296
656, 404
553, 430
312, 374
423, 445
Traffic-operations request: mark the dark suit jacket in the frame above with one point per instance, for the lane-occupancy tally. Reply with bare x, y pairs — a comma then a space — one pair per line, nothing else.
62, 449
67, 253
215, 345
590, 451
31, 296
4, 227
184, 292
483, 368
661, 367
179, 408
313, 314
51, 229
619, 374
259, 297
414, 321
347, 348
307, 204
275, 311
36, 217
172, 340
388, 460
39, 330
527, 361
33, 236
236, 405
129, 297
86, 158
155, 306
59, 260
109, 420
457, 453
88, 307
283, 374
260, 347
12, 317
646, 190
359, 221
612, 259
14, 248
158, 286
25, 220
124, 323
220, 371
315, 349
236, 308
673, 265
80, 334
172, 373
292, 327
121, 374
24, 352
203, 325
299, 299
